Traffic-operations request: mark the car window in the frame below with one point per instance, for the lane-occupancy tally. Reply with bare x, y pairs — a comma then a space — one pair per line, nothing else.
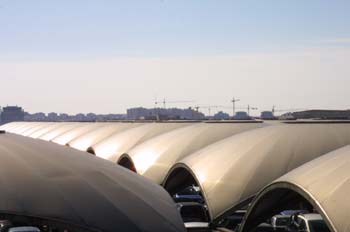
318, 226
302, 226
282, 221
193, 214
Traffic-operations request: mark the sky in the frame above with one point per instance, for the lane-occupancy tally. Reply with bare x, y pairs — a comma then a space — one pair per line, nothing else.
105, 56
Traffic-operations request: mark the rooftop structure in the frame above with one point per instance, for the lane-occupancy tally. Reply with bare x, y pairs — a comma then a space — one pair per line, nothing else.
12, 114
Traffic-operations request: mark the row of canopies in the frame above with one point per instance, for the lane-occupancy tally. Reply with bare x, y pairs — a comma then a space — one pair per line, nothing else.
151, 148
230, 162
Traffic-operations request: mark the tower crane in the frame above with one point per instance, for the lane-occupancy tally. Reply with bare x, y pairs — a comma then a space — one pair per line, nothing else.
209, 107
164, 102
284, 110
251, 108
234, 100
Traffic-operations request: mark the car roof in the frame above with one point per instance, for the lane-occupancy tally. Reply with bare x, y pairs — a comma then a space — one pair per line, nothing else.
281, 216
23, 228
189, 204
311, 216
196, 225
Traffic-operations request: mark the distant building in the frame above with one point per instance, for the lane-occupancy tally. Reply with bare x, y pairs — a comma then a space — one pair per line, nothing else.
139, 113
64, 117
91, 117
163, 114
53, 117
287, 116
35, 117
12, 114
322, 114
221, 116
79, 117
267, 115
241, 115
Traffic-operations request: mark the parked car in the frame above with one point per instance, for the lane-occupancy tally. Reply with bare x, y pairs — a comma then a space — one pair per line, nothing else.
280, 222
189, 194
24, 229
197, 227
292, 212
5, 225
193, 212
233, 221
264, 227
307, 223
194, 215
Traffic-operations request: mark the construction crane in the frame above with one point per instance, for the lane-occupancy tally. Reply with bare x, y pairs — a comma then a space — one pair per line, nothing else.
169, 102
234, 105
285, 110
251, 108
207, 107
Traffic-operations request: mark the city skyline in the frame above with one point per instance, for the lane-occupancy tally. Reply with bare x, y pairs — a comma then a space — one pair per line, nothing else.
88, 56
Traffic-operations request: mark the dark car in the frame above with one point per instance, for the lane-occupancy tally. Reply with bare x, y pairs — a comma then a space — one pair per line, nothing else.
233, 221
193, 212
189, 194
194, 215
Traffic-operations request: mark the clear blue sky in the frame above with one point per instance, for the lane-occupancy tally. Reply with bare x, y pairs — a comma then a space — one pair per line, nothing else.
76, 31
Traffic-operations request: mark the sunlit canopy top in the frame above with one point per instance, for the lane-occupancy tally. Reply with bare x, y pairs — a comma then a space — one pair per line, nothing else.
37, 127
24, 127
91, 138
114, 146
46, 129
70, 135
154, 158
10, 126
63, 128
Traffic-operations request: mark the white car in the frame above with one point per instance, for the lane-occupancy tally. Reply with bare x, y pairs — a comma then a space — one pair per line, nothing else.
280, 221
311, 222
24, 229
197, 226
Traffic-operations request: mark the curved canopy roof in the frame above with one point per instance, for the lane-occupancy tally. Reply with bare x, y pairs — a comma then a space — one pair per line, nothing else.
23, 127
36, 134
324, 182
89, 139
37, 128
154, 158
9, 126
70, 135
63, 128
57, 183
114, 146
232, 171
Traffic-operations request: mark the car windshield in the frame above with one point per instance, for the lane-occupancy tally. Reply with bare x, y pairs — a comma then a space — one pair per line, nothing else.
191, 190
282, 221
318, 226
193, 214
